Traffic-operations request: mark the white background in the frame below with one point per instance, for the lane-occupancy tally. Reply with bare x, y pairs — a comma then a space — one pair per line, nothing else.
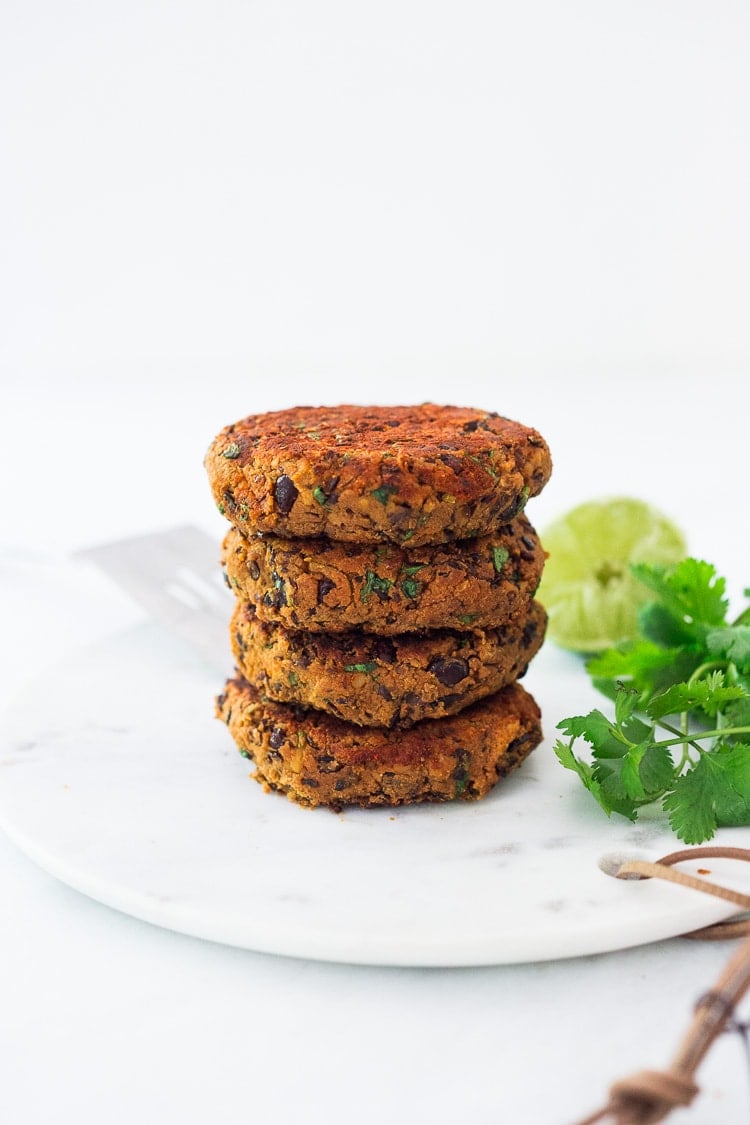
214, 208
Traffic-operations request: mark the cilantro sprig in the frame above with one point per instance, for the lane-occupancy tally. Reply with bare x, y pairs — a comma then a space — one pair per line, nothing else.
681, 692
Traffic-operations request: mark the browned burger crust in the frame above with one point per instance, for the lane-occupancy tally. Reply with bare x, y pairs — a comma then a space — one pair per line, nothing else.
408, 474
382, 681
321, 585
316, 759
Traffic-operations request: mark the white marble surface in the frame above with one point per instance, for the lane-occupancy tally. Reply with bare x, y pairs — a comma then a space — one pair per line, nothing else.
118, 779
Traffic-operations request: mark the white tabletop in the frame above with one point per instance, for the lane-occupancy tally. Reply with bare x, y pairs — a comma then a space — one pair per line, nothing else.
224, 208
110, 1018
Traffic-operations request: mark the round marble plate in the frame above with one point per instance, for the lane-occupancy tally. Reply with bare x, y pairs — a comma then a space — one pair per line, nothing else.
117, 779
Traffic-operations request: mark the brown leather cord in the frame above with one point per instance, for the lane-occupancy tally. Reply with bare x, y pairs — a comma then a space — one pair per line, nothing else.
649, 1096
662, 869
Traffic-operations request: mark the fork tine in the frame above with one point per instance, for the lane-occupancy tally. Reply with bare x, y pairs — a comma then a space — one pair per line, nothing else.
174, 575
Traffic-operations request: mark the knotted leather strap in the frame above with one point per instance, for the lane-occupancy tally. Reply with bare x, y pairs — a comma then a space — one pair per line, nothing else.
649, 1096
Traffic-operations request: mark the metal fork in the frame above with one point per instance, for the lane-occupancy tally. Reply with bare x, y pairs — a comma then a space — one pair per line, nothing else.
175, 576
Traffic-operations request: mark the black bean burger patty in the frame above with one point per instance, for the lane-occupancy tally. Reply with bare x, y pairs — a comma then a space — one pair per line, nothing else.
317, 759
403, 474
383, 681
325, 586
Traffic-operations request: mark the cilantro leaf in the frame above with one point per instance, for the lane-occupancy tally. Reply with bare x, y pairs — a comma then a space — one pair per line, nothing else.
709, 694
646, 771
691, 590
383, 493
620, 775
657, 769
625, 702
716, 790
691, 804
618, 750
663, 627
736, 765
500, 557
609, 777
647, 666
731, 643
635, 730
598, 731
631, 660
375, 584
567, 758
630, 773
738, 715
687, 660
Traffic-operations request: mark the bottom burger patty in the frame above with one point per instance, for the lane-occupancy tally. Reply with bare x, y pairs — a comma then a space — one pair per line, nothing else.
317, 759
